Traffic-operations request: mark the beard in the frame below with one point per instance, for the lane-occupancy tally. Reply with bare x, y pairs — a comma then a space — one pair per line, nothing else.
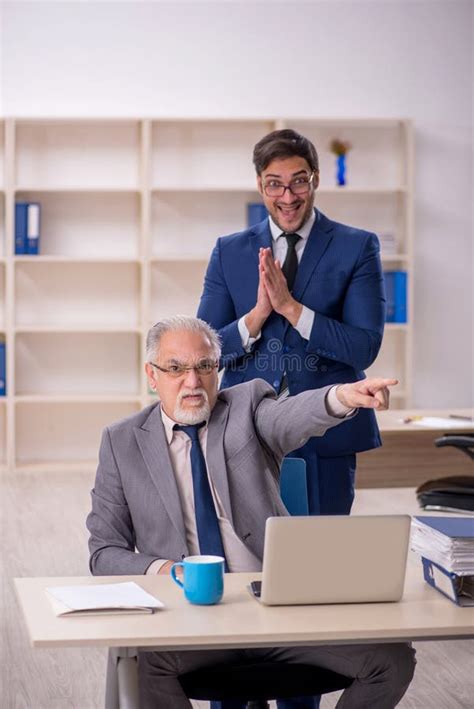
194, 415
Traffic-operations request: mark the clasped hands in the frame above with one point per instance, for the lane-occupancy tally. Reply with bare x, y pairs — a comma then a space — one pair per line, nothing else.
272, 294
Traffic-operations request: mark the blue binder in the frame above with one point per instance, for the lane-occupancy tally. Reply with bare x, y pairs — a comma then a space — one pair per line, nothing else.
396, 294
452, 527
3, 369
459, 589
33, 228
256, 213
27, 227
21, 227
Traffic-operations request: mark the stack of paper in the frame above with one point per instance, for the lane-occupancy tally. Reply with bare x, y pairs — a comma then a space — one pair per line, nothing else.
103, 598
448, 541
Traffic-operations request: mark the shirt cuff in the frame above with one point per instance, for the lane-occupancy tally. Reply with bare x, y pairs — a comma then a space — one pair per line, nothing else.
305, 322
334, 406
247, 341
155, 566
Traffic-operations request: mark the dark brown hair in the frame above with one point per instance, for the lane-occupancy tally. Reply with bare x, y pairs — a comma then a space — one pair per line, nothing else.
281, 144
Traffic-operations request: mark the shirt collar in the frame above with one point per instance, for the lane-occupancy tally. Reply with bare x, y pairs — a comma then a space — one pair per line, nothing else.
168, 424
304, 231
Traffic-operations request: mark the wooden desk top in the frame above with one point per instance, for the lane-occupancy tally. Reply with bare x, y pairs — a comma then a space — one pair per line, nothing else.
392, 420
240, 621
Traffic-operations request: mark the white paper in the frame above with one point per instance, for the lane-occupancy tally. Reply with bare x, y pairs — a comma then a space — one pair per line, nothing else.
102, 598
444, 423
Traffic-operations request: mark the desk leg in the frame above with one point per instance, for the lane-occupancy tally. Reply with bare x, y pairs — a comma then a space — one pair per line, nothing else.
121, 687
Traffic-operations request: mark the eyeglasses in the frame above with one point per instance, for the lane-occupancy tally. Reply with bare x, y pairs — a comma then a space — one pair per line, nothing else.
175, 371
300, 186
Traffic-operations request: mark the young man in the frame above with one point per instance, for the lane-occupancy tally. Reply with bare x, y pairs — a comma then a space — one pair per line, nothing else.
198, 472
298, 300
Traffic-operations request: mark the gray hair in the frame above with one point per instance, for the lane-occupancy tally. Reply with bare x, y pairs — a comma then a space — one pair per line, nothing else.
175, 324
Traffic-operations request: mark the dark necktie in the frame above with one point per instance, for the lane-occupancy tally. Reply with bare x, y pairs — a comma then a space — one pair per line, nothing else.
290, 266
209, 535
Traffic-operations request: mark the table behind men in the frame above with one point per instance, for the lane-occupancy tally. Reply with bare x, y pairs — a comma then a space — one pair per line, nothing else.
408, 456
240, 621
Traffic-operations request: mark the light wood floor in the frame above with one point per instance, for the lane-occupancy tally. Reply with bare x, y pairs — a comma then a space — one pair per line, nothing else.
43, 534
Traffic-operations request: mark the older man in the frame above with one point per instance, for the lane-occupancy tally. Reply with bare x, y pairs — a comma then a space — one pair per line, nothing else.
198, 473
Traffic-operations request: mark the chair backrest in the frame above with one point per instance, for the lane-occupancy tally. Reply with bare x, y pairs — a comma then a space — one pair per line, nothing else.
293, 486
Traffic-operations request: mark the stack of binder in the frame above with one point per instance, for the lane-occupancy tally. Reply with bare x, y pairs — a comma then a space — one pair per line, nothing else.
446, 546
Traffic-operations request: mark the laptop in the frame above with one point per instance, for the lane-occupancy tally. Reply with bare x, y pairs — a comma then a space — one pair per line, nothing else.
333, 559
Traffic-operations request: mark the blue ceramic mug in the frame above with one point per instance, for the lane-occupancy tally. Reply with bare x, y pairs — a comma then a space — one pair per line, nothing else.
203, 578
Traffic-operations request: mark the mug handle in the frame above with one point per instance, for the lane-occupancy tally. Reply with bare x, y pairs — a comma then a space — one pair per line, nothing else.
173, 573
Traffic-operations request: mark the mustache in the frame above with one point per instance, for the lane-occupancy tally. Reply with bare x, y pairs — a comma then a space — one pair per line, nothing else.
199, 391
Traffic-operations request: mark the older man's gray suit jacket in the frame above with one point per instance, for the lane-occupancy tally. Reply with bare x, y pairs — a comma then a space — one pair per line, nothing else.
136, 512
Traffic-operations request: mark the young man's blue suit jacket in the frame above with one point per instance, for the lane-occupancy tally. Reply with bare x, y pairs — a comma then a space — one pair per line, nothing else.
340, 278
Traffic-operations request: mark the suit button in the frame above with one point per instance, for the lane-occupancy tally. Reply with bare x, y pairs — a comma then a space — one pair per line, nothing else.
286, 348
276, 384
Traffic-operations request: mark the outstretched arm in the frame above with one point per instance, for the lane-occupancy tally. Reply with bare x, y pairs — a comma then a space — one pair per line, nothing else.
286, 424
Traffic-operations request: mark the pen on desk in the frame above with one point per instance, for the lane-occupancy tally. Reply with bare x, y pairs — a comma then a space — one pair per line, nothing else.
460, 418
410, 419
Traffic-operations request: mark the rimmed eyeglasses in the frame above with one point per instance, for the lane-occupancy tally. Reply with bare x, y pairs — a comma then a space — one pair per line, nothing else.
203, 369
299, 186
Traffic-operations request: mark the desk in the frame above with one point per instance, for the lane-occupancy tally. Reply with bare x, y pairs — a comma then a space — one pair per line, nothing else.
408, 456
240, 621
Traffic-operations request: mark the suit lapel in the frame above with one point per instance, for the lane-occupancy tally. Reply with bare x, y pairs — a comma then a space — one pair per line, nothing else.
318, 241
260, 238
215, 454
154, 448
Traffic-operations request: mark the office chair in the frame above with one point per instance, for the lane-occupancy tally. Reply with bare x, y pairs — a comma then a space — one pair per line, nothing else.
454, 492
293, 486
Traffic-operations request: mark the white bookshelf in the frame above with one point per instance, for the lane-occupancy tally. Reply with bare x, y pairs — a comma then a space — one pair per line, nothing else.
130, 210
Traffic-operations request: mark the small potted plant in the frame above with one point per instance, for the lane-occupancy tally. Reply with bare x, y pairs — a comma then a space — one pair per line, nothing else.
340, 148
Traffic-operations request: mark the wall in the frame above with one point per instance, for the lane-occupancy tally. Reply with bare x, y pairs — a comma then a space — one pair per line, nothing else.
229, 58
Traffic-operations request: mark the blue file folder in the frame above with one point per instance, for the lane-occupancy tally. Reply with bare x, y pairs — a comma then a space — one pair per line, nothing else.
452, 527
3, 369
459, 589
396, 294
21, 227
27, 227
256, 213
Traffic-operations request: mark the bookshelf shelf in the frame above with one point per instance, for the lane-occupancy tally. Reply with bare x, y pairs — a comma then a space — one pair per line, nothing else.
81, 189
225, 189
396, 327
86, 329
130, 211
178, 257
82, 399
395, 257
364, 191
72, 259
54, 466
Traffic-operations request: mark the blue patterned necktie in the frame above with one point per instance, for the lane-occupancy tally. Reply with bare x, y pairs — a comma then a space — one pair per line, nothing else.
209, 535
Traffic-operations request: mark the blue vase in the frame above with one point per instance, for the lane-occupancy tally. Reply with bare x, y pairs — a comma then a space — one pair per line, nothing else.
341, 170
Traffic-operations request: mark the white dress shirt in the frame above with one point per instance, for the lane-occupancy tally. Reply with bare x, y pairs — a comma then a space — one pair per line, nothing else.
238, 557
